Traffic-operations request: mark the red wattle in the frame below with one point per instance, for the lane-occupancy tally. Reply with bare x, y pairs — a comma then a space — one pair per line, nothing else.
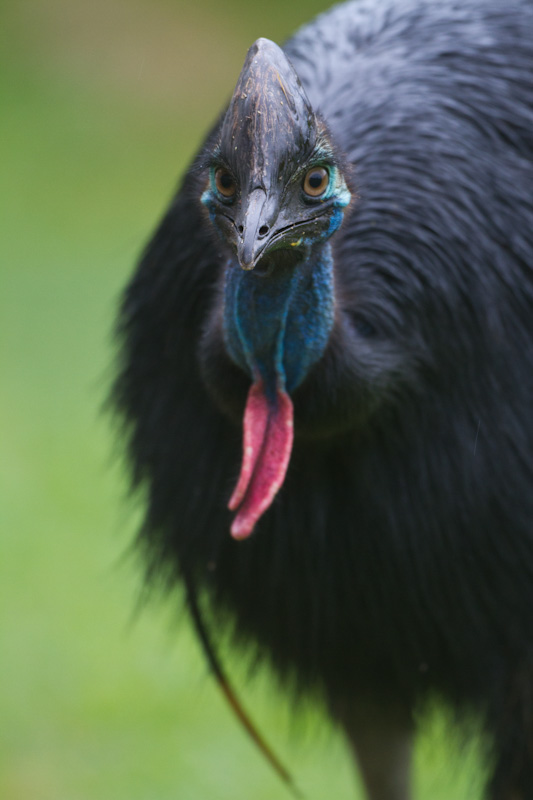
267, 445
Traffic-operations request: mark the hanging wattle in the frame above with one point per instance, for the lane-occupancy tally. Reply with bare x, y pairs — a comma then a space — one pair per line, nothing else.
267, 445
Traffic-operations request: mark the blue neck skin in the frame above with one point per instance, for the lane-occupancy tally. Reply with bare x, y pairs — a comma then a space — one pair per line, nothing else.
277, 327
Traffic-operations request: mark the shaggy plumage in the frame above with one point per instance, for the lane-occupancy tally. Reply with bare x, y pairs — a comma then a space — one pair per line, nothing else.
396, 561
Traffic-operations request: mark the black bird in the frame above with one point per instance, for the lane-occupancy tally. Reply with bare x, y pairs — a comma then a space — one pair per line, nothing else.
358, 392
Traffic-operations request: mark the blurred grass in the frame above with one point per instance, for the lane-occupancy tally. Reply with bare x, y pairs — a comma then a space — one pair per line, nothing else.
102, 106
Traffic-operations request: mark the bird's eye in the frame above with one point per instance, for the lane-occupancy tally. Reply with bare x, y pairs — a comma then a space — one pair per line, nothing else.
316, 181
225, 182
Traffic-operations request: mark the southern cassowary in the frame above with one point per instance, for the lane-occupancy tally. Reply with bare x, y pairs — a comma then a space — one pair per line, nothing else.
326, 375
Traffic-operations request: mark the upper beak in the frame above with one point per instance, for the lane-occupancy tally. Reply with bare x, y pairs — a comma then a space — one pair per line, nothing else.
253, 230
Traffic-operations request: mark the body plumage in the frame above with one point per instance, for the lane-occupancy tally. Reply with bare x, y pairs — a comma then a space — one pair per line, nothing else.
395, 562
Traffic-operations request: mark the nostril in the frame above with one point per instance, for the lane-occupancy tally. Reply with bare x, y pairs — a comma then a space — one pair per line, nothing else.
240, 228
263, 230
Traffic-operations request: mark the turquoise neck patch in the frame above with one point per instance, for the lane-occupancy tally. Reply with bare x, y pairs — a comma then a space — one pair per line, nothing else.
277, 327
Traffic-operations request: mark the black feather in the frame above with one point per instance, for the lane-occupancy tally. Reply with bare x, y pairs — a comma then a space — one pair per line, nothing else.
397, 560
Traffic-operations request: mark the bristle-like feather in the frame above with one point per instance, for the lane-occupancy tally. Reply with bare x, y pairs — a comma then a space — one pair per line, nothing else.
229, 692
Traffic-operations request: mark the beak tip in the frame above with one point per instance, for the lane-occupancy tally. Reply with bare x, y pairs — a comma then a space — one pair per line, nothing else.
246, 262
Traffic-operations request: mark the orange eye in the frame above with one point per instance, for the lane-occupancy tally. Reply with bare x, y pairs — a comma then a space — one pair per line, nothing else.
225, 182
316, 181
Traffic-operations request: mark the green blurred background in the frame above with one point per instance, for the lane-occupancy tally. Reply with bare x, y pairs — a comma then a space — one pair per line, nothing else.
102, 105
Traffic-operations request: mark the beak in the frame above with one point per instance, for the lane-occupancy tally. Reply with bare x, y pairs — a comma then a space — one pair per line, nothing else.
253, 230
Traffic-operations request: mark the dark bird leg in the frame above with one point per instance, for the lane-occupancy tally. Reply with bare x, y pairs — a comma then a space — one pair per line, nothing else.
512, 778
382, 742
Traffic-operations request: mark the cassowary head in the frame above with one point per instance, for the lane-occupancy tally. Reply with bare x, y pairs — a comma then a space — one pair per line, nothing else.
276, 193
274, 182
